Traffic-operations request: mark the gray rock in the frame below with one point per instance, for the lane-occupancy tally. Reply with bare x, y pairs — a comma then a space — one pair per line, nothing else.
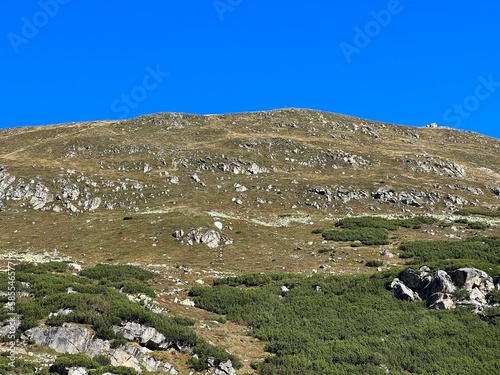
178, 234
207, 236
146, 336
70, 192
240, 188
385, 196
410, 278
120, 357
401, 291
92, 204
470, 278
70, 338
41, 197
496, 191
225, 368
77, 371
441, 283
440, 301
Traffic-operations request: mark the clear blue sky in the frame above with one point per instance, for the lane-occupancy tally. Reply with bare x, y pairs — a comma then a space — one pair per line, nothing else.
406, 62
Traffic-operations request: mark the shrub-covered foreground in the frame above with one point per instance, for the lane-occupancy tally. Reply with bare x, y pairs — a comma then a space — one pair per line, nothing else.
96, 301
352, 325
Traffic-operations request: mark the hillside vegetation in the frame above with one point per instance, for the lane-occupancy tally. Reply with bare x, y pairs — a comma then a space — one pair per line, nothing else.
267, 239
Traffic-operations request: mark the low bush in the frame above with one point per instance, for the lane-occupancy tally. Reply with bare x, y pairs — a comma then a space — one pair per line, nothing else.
367, 236
476, 248
101, 306
383, 223
477, 211
477, 225
374, 263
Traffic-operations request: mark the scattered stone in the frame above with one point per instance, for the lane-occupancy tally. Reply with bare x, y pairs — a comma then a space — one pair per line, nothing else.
240, 188
178, 234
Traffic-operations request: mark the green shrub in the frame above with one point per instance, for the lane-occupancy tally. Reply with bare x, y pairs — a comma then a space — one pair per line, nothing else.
101, 306
352, 326
383, 223
183, 321
476, 248
493, 296
102, 360
477, 211
75, 360
374, 263
477, 225
367, 236
117, 273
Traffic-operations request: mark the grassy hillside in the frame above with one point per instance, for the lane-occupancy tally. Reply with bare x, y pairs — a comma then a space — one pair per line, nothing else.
301, 192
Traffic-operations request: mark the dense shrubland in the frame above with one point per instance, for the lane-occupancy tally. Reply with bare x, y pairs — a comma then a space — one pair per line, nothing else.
98, 302
479, 252
352, 325
370, 230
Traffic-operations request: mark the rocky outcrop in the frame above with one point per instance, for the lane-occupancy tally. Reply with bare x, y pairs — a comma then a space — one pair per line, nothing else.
389, 196
207, 236
146, 336
242, 168
74, 339
428, 164
444, 291
70, 338
348, 158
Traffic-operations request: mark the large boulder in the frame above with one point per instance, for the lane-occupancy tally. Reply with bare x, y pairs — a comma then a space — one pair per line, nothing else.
207, 236
441, 283
70, 338
225, 368
410, 278
145, 336
470, 278
401, 291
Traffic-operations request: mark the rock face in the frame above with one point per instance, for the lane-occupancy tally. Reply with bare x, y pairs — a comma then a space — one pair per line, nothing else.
74, 339
70, 338
444, 291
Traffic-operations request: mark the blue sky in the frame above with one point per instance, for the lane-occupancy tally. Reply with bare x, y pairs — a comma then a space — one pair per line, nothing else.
401, 61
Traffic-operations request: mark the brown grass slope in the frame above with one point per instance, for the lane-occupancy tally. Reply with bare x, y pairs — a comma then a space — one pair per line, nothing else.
302, 169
